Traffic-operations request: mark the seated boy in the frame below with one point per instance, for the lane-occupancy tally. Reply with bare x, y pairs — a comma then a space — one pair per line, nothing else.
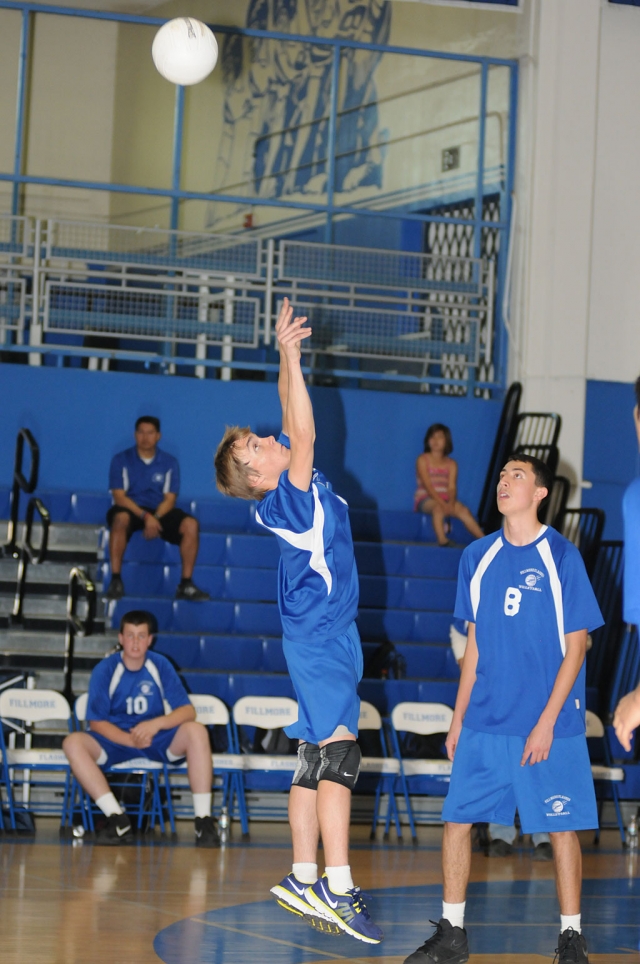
318, 599
127, 720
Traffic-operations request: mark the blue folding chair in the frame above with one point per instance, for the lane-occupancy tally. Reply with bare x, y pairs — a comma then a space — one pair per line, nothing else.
603, 772
79, 802
385, 767
20, 710
228, 766
420, 776
270, 771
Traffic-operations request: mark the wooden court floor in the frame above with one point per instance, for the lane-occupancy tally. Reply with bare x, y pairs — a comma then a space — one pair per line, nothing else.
65, 903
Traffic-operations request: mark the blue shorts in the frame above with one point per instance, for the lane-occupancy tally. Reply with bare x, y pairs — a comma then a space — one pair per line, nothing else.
325, 677
488, 783
113, 753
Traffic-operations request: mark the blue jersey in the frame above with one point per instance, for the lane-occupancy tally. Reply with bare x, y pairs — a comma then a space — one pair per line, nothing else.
125, 697
523, 600
317, 575
146, 484
631, 519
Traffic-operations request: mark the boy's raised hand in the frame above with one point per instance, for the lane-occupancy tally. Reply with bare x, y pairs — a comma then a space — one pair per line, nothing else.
290, 332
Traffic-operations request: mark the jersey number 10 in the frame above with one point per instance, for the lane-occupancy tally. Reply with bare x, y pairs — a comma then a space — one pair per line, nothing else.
137, 705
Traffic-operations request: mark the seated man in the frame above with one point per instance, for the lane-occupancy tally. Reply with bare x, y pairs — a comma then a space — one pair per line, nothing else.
145, 482
127, 720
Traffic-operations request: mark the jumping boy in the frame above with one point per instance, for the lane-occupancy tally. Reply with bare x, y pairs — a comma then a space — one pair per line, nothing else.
318, 599
128, 719
517, 738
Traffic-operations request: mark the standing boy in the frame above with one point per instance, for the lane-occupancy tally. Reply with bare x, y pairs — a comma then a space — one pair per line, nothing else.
318, 600
517, 738
127, 720
627, 715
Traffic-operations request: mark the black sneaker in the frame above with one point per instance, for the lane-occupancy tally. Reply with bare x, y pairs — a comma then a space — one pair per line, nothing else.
116, 588
448, 944
188, 590
572, 948
499, 848
543, 851
116, 831
206, 832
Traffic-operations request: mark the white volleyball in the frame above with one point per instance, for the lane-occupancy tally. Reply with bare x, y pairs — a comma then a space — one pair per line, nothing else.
184, 51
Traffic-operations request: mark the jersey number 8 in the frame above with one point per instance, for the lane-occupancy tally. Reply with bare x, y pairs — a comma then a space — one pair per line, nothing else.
138, 705
512, 599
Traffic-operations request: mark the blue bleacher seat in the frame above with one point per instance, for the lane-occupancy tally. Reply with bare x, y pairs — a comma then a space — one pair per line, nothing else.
393, 624
162, 609
5, 502
263, 618
381, 591
260, 585
435, 594
89, 507
432, 561
423, 660
375, 559
246, 550
438, 691
212, 549
431, 627
183, 651
203, 617
226, 515
273, 660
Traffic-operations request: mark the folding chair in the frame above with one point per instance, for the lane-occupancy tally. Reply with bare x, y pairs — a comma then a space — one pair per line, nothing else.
386, 767
422, 719
229, 766
147, 770
20, 709
604, 774
268, 712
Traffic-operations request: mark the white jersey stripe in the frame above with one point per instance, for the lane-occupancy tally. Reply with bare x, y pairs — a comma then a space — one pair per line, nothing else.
125, 478
311, 541
546, 555
115, 679
167, 482
483, 565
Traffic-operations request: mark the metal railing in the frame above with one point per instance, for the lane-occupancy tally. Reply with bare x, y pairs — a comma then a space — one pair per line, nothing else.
27, 555
80, 585
21, 484
185, 299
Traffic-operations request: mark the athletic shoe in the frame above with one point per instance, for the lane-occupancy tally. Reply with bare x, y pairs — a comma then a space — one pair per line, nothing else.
499, 848
116, 831
290, 894
572, 948
116, 588
447, 946
189, 590
206, 832
542, 851
348, 911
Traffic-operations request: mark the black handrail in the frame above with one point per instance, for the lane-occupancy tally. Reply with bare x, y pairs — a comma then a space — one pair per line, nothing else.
20, 483
27, 554
79, 583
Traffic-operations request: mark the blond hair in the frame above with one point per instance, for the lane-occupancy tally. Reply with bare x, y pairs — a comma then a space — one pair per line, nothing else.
232, 474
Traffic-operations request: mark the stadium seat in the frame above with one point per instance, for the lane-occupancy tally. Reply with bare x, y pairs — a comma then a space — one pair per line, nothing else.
227, 766
423, 719
604, 774
268, 713
20, 709
385, 767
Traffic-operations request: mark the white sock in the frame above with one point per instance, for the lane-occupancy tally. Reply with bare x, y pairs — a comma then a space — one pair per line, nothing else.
108, 804
454, 913
570, 920
305, 873
340, 879
202, 804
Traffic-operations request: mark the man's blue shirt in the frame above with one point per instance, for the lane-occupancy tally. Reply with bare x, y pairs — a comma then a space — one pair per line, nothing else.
631, 587
126, 697
146, 484
523, 601
317, 575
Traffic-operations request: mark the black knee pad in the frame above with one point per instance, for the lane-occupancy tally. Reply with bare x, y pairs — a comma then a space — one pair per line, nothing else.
306, 774
340, 763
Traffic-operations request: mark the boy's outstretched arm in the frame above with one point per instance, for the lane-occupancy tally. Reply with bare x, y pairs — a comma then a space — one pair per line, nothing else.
297, 413
284, 320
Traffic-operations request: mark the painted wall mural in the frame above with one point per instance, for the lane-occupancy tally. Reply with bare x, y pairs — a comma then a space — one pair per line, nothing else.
277, 100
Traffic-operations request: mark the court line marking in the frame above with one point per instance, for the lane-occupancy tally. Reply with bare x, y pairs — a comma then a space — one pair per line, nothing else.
276, 940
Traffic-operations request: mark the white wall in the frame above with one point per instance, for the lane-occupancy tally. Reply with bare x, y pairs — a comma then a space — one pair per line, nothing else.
614, 316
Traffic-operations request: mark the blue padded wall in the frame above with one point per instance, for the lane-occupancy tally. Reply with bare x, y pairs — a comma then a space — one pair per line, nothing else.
610, 450
367, 440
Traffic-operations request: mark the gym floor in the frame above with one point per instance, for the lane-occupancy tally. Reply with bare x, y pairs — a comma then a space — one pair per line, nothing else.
75, 903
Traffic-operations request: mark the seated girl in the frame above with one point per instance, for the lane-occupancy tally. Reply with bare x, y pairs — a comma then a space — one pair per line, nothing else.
436, 477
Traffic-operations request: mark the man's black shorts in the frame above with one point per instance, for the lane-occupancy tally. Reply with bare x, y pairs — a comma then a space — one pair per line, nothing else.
170, 522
